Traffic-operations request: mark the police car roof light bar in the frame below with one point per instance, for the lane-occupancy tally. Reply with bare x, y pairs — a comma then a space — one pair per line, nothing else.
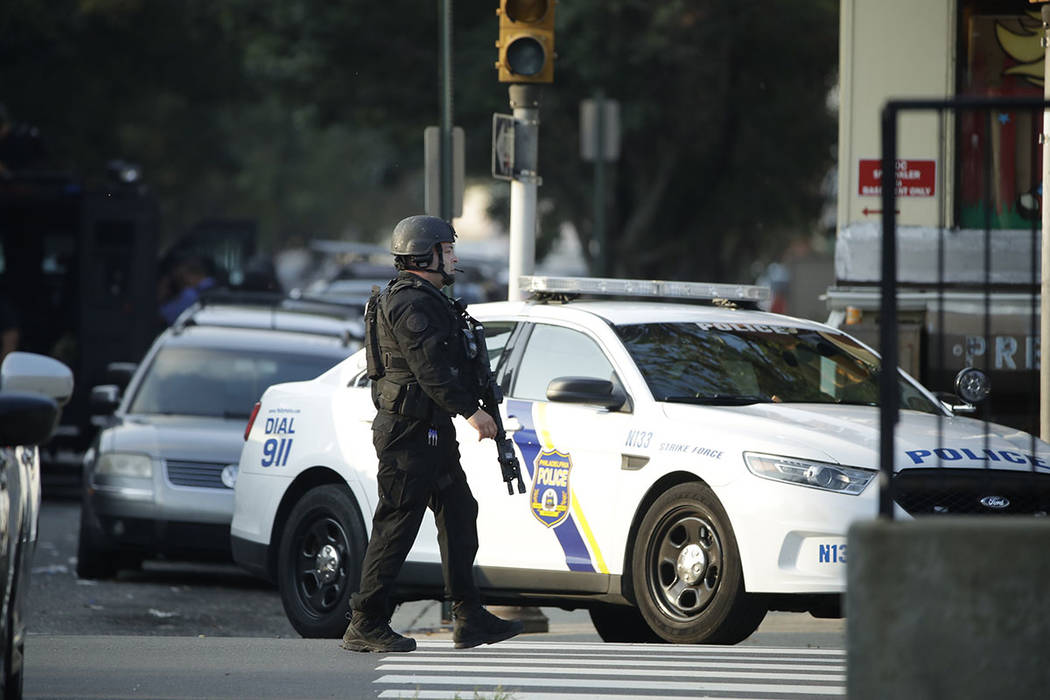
603, 286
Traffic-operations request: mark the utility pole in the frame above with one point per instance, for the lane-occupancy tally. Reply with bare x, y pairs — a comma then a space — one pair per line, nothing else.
600, 144
445, 47
443, 144
446, 110
1044, 316
599, 184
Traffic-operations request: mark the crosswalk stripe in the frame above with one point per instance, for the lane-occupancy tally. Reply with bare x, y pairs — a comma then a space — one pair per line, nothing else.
703, 663
647, 658
578, 671
517, 695
511, 682
605, 649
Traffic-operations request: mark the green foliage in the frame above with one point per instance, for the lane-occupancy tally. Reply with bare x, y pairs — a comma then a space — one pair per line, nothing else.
726, 133
308, 115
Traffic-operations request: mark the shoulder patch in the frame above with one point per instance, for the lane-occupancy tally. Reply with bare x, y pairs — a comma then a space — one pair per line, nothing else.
416, 322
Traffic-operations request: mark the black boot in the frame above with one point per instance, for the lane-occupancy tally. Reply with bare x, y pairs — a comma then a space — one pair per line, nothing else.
366, 633
475, 625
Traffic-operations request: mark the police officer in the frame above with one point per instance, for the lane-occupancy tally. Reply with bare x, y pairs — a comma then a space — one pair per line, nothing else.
418, 357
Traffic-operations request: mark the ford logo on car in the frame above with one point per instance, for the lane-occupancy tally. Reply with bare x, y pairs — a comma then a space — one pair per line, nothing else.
997, 502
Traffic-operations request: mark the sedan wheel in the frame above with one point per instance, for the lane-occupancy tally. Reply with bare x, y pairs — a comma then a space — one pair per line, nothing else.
319, 561
687, 573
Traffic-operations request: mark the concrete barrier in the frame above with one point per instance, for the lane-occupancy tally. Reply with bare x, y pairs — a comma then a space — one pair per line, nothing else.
949, 607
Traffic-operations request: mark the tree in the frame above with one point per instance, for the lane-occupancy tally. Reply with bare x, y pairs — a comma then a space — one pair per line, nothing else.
309, 115
728, 161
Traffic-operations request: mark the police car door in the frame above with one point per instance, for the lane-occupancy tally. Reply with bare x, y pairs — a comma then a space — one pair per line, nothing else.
480, 459
569, 464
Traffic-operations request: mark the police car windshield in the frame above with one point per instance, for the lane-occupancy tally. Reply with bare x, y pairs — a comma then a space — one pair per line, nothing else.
745, 363
218, 383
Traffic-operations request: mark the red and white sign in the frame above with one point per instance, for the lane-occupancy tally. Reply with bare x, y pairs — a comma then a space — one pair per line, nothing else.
915, 178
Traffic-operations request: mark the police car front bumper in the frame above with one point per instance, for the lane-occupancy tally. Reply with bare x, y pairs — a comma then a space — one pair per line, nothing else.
792, 538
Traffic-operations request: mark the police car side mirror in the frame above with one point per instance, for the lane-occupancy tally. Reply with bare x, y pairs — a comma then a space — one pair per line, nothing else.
104, 399
586, 390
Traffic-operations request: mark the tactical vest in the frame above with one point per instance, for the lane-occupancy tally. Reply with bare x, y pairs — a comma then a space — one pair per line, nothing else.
394, 387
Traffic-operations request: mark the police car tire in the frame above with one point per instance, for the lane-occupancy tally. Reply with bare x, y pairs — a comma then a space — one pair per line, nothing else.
621, 623
715, 609
318, 611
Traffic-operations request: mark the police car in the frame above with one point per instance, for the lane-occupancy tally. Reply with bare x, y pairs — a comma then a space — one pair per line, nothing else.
688, 466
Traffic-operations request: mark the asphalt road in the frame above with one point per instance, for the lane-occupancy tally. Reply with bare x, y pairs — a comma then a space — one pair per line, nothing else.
188, 599
165, 598
220, 600
182, 630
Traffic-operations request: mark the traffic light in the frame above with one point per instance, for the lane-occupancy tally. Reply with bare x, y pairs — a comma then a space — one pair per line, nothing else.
526, 41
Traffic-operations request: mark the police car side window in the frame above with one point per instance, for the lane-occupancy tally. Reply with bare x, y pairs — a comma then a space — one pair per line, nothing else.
497, 333
552, 352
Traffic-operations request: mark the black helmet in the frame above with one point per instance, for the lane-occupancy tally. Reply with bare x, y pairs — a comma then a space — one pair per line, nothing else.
416, 236
415, 241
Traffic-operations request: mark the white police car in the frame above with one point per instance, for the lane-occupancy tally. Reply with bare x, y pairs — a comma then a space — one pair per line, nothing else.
688, 466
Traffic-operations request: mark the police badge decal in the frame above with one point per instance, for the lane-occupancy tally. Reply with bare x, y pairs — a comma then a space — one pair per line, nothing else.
550, 487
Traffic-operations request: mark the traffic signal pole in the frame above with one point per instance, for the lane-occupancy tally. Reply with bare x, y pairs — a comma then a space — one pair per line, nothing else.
525, 103
526, 60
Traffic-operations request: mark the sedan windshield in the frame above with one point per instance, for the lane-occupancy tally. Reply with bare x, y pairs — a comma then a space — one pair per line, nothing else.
218, 383
745, 363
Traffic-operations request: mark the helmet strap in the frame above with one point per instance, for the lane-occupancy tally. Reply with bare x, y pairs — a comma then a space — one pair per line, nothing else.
446, 279
420, 264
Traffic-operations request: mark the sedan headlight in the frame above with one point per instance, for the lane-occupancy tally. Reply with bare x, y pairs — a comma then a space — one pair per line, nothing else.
125, 464
804, 472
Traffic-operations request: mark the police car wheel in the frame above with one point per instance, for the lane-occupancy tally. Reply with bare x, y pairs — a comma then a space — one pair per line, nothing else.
686, 571
621, 623
319, 565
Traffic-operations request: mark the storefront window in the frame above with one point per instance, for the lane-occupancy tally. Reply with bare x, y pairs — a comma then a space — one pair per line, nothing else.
999, 158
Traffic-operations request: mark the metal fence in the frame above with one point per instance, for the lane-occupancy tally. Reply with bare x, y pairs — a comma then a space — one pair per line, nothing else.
943, 489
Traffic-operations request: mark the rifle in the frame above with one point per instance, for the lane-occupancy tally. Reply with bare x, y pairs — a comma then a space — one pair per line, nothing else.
491, 398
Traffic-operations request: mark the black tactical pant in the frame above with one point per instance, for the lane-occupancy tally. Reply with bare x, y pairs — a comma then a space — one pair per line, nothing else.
418, 470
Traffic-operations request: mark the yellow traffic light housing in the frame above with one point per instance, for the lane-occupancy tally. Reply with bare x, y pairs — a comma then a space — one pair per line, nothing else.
526, 41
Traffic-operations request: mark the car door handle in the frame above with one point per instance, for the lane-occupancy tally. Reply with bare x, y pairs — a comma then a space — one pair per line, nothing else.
512, 424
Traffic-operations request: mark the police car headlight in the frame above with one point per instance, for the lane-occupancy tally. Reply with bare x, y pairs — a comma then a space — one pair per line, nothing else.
804, 472
125, 464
